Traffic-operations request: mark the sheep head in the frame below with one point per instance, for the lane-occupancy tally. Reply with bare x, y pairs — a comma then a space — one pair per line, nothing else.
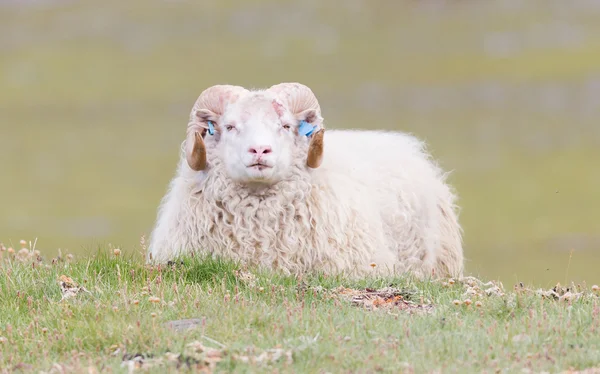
257, 133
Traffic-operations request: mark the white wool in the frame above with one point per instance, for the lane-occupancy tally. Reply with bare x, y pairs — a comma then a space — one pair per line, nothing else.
377, 198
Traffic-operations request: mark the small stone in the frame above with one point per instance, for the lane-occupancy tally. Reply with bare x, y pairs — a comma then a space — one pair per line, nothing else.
184, 324
521, 338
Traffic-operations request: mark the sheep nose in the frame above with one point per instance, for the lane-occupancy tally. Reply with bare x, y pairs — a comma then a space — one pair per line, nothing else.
261, 150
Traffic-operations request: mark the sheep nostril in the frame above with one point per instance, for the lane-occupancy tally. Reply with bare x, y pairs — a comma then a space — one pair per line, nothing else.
260, 150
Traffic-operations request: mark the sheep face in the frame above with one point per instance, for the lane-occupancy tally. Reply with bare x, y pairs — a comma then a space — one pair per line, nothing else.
261, 136
258, 139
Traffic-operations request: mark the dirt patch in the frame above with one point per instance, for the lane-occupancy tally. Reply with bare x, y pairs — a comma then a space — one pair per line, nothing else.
388, 298
200, 358
69, 288
560, 293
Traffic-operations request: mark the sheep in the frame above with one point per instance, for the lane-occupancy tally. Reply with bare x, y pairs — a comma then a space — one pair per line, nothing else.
256, 183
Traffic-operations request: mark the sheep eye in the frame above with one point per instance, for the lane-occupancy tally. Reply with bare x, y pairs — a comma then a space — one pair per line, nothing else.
229, 127
287, 127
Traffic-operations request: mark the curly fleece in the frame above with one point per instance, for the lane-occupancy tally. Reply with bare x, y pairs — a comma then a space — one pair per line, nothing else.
378, 199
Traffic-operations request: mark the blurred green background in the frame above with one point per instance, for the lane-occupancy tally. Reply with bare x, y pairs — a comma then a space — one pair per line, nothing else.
94, 99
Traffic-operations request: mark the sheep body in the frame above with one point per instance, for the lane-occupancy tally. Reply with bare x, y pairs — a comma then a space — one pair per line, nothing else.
378, 198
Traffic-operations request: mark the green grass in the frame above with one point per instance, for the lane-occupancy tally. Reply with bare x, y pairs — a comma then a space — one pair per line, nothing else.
309, 317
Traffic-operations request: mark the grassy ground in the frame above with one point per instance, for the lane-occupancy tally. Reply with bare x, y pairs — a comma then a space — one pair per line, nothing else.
254, 321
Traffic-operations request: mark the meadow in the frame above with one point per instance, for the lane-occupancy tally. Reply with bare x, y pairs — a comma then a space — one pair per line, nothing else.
94, 99
109, 313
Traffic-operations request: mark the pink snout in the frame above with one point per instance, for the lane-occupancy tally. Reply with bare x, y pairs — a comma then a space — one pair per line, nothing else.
260, 150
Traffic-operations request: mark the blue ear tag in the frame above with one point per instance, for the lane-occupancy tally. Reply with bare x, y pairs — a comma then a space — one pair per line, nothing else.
306, 128
211, 128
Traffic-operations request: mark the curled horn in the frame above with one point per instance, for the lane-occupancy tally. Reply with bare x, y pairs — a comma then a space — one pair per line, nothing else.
303, 103
208, 107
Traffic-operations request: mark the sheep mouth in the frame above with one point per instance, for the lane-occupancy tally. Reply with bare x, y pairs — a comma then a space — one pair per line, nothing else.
259, 166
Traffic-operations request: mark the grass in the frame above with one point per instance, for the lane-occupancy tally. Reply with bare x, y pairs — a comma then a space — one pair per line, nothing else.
311, 323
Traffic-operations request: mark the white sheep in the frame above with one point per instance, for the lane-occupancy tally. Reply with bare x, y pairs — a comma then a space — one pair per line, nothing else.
256, 183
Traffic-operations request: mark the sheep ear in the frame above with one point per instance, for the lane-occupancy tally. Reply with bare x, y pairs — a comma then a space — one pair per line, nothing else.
204, 117
201, 125
311, 116
311, 119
